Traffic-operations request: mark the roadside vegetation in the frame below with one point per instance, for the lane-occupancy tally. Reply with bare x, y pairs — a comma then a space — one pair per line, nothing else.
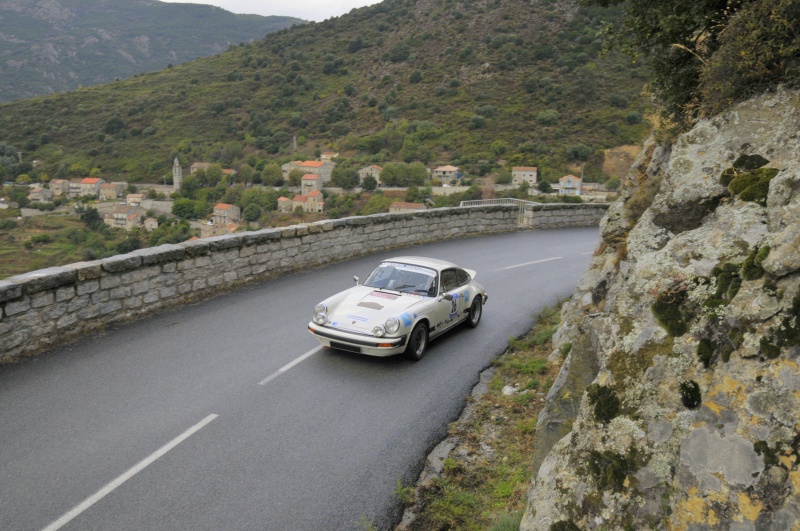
486, 478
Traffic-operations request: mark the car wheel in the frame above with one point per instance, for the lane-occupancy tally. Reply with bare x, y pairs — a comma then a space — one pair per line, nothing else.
417, 343
475, 313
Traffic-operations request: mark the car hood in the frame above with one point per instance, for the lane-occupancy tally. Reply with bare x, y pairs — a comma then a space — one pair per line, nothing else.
364, 308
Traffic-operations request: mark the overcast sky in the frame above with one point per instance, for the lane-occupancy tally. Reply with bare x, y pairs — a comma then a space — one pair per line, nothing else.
317, 10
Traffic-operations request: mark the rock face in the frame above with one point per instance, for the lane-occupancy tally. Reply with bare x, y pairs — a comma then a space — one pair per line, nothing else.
689, 318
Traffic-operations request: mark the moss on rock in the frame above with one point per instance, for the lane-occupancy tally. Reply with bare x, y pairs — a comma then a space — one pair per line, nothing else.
667, 311
605, 401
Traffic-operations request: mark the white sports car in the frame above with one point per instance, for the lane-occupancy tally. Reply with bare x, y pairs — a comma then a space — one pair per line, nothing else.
403, 303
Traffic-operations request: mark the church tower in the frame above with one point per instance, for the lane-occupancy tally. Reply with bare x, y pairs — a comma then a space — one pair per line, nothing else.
177, 175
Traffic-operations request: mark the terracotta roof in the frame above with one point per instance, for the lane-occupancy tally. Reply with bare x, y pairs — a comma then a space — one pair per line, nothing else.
310, 177
283, 199
524, 168
313, 163
300, 198
105, 186
446, 168
314, 193
222, 206
90, 180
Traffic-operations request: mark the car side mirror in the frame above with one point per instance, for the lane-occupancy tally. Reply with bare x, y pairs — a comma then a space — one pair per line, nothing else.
356, 279
448, 297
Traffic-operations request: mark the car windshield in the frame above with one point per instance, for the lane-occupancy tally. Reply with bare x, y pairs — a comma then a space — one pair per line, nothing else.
405, 278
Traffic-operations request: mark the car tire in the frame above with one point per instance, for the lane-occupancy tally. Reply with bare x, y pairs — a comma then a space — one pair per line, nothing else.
417, 342
475, 313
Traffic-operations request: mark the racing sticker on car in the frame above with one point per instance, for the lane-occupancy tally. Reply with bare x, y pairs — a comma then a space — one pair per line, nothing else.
406, 319
359, 318
454, 306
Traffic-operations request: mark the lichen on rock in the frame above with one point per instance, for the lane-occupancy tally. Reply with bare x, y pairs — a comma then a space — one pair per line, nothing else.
693, 418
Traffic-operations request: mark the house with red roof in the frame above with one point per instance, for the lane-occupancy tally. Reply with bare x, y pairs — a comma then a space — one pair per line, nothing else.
570, 185
123, 217
312, 203
524, 174
373, 171
322, 168
225, 214
309, 182
285, 205
446, 174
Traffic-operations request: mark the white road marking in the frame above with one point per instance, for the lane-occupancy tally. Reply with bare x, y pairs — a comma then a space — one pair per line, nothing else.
289, 365
530, 263
100, 494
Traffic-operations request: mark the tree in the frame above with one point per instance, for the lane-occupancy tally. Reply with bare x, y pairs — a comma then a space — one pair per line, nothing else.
272, 175
544, 187
345, 177
402, 174
683, 38
252, 212
369, 183
91, 218
295, 177
505, 177
183, 208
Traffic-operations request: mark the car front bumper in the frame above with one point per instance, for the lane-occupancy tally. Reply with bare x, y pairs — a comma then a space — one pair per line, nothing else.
360, 343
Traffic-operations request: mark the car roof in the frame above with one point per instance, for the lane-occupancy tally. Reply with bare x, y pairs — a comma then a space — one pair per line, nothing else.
434, 263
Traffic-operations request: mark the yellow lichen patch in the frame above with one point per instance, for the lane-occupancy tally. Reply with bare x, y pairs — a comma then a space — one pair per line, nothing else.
794, 478
693, 510
713, 406
750, 509
727, 387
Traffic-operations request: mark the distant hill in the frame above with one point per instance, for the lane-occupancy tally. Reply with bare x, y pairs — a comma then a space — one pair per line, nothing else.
483, 85
59, 45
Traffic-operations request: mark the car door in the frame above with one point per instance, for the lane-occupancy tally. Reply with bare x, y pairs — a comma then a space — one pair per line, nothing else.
448, 312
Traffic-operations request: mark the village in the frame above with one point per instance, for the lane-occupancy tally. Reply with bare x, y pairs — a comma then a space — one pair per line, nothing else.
129, 208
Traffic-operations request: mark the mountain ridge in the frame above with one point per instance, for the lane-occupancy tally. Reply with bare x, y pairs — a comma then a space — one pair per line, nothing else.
60, 45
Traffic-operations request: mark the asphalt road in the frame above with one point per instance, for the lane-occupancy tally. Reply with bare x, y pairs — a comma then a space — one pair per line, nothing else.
226, 415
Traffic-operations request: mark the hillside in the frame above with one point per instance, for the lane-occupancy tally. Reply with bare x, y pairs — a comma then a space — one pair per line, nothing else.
471, 83
51, 46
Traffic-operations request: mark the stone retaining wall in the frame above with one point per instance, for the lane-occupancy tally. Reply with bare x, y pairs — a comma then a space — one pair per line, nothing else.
44, 308
563, 215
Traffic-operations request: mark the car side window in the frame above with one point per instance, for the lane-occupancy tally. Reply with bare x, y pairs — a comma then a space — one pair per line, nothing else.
463, 277
449, 280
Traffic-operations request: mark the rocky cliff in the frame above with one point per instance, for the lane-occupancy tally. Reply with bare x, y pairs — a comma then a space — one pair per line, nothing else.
678, 406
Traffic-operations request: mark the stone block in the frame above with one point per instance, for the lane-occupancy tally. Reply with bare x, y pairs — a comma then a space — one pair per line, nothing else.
44, 279
43, 299
9, 290
121, 263
161, 254
65, 293
195, 248
17, 307
87, 287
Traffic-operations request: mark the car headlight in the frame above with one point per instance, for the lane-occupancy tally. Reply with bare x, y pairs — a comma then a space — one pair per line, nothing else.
392, 325
379, 331
320, 315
